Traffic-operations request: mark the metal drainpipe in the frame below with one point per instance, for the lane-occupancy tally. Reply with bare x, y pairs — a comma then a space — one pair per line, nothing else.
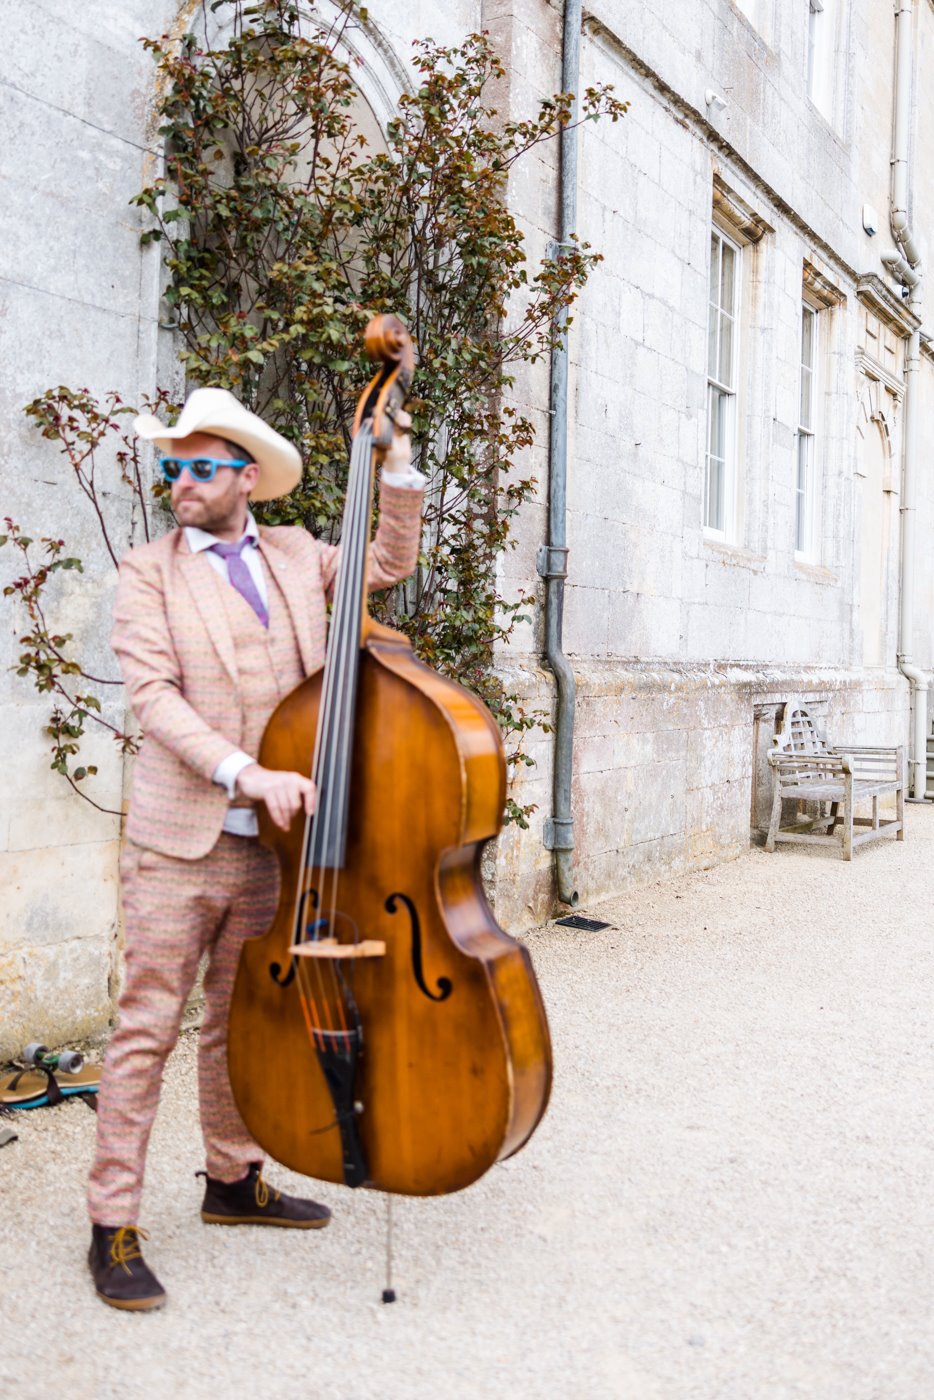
552, 557
906, 266
919, 680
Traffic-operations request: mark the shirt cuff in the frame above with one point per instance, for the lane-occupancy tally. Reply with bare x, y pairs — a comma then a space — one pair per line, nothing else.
409, 480
229, 769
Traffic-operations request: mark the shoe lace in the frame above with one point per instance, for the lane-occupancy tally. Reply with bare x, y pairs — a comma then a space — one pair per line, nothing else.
124, 1247
262, 1191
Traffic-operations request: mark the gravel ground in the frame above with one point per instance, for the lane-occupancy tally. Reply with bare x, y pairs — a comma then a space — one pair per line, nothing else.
730, 1196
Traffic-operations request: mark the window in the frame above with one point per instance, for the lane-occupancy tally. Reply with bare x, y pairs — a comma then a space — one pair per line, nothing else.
815, 10
759, 14
821, 58
806, 480
722, 337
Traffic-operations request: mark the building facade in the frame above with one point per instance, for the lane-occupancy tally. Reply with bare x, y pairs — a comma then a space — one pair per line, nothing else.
751, 390
737, 434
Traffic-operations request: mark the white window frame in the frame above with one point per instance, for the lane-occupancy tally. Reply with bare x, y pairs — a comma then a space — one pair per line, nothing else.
822, 56
807, 438
815, 10
722, 393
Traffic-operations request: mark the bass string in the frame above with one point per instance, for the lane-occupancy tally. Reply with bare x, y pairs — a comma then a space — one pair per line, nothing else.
326, 776
314, 1020
330, 766
348, 649
328, 832
352, 583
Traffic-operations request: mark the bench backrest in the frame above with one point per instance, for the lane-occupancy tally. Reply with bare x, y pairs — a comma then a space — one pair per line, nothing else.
799, 735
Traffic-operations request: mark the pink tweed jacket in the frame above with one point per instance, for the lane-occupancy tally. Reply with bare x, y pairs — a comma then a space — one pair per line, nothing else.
176, 653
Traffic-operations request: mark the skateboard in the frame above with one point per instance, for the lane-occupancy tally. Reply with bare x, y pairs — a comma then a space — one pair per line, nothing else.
35, 1080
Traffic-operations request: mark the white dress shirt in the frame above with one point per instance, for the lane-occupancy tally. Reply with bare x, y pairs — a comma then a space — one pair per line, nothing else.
241, 821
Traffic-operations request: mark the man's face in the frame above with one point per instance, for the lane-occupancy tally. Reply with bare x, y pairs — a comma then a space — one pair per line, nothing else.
215, 505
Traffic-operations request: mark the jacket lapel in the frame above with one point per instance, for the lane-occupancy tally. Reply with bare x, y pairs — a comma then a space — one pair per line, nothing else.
205, 587
288, 575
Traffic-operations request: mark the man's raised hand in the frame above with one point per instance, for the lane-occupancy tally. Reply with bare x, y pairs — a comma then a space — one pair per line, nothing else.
398, 455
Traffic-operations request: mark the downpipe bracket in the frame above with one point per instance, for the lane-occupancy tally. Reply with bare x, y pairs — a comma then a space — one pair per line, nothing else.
552, 561
558, 834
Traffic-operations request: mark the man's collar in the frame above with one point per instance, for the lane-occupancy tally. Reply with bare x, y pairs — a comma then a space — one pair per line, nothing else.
198, 540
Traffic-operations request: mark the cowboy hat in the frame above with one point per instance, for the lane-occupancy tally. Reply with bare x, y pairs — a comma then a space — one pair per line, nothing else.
217, 411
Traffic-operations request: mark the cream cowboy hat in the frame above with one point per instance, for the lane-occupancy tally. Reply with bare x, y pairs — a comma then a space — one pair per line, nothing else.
217, 411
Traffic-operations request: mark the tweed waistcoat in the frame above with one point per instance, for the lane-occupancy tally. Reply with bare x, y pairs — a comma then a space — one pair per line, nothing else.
269, 664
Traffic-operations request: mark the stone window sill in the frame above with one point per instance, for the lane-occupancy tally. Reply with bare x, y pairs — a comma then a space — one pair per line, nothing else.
817, 573
735, 555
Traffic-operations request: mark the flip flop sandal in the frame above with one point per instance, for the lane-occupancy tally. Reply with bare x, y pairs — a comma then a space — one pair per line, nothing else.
36, 1086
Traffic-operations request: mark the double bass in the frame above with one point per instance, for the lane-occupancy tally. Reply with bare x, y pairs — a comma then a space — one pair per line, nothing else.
385, 1031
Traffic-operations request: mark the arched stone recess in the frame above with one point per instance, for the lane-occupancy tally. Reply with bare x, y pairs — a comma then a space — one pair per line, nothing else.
877, 483
378, 73
380, 78
878, 411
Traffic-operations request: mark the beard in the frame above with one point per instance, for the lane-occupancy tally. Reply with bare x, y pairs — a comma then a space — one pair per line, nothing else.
206, 515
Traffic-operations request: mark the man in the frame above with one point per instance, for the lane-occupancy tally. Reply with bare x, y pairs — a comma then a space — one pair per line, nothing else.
214, 624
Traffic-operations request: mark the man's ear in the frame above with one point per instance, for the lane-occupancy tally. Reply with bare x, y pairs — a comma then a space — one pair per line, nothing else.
249, 476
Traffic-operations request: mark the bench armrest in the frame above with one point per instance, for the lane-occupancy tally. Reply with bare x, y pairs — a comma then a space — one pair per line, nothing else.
873, 761
867, 748
792, 763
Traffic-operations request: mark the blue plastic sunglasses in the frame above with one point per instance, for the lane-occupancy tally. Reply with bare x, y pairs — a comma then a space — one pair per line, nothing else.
201, 468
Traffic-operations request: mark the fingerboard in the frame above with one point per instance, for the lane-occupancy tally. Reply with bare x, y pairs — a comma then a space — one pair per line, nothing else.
327, 835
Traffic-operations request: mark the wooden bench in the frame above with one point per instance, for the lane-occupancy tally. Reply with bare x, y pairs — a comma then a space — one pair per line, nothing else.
807, 768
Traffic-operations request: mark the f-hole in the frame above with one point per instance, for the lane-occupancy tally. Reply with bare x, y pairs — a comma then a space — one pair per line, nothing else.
443, 984
309, 896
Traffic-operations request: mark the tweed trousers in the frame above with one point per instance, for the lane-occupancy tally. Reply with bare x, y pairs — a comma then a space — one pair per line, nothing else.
174, 912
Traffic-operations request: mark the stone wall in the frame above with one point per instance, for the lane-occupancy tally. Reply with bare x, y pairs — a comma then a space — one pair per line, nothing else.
670, 767
684, 644
78, 306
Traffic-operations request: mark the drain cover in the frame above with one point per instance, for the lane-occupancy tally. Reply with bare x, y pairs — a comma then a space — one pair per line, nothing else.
578, 921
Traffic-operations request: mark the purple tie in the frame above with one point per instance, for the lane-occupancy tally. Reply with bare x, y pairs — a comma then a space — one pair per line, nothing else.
240, 576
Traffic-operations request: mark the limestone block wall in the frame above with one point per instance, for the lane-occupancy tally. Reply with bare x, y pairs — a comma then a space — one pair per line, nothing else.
923, 215
924, 598
670, 768
77, 307
685, 645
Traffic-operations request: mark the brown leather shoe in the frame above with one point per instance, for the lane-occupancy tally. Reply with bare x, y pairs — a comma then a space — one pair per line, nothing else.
121, 1275
253, 1202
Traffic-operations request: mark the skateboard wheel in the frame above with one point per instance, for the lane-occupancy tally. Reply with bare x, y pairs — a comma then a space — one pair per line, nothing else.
34, 1052
70, 1061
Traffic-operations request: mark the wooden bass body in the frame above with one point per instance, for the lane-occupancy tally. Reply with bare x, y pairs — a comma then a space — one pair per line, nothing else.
454, 1066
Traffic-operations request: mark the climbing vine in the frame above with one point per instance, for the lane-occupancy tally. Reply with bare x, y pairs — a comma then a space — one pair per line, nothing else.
283, 230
